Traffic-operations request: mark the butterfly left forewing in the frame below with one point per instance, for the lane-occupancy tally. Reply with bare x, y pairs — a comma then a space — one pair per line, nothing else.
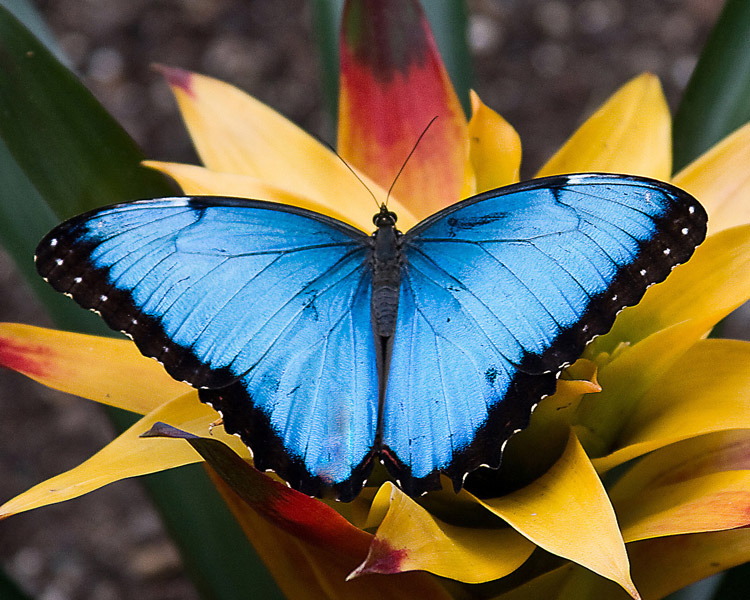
265, 306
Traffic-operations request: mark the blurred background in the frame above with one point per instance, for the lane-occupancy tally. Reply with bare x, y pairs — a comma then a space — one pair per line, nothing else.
543, 64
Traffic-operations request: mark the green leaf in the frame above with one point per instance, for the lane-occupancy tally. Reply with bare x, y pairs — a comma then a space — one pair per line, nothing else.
71, 149
717, 98
448, 19
326, 16
27, 13
64, 154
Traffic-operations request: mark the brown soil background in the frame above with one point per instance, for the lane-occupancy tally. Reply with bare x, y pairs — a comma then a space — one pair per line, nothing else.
544, 65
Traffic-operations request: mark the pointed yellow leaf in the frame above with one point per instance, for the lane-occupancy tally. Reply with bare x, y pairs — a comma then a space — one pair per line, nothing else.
235, 133
720, 179
567, 397
706, 390
567, 512
130, 455
102, 369
410, 539
664, 565
711, 502
199, 181
631, 133
494, 147
660, 566
699, 484
713, 281
550, 423
726, 450
627, 376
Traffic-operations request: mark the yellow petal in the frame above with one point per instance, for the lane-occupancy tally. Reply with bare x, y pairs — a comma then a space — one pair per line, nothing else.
707, 390
694, 457
709, 503
713, 281
199, 181
103, 369
659, 566
129, 455
627, 377
567, 512
410, 538
664, 565
569, 393
494, 147
305, 572
631, 133
234, 133
720, 179
699, 484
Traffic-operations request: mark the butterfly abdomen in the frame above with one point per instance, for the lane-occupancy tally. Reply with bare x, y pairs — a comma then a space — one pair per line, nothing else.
386, 279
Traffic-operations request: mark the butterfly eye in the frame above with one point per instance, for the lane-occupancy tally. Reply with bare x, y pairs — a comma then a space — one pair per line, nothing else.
384, 218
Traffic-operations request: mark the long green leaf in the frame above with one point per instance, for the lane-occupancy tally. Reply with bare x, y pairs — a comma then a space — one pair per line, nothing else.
27, 13
76, 155
717, 98
65, 154
327, 25
448, 19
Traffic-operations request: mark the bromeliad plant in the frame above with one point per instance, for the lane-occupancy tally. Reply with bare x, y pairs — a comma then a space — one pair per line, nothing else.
654, 400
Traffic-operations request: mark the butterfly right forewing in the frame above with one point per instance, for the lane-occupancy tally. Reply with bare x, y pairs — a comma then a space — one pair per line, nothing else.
500, 292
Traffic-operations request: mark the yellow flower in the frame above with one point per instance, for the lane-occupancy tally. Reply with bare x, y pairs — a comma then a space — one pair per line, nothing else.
653, 388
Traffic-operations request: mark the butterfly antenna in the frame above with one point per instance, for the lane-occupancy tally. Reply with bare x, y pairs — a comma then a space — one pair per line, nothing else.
348, 166
414, 148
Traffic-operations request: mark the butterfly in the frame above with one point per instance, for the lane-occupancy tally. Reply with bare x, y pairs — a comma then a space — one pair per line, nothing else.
326, 349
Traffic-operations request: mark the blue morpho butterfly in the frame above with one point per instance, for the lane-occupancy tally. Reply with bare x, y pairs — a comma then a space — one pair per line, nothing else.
326, 349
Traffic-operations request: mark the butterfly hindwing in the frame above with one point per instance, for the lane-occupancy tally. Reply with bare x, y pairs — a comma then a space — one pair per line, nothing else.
317, 386
264, 305
500, 292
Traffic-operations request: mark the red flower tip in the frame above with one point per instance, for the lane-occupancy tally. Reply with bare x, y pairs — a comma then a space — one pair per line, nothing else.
382, 558
23, 358
177, 78
393, 82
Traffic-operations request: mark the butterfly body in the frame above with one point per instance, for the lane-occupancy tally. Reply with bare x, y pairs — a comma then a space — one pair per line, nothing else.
386, 263
326, 349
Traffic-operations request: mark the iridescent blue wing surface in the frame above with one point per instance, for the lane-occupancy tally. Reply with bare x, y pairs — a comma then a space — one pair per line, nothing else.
499, 293
264, 306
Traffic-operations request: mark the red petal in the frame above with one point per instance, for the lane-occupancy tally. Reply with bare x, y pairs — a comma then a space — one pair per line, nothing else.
393, 83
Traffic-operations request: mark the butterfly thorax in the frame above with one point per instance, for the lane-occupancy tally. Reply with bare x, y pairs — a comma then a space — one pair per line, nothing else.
386, 259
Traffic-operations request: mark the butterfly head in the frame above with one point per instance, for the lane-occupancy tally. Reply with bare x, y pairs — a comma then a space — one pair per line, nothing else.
384, 218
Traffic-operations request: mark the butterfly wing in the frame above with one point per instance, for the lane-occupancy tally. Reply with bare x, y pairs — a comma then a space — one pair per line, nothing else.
265, 306
503, 290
